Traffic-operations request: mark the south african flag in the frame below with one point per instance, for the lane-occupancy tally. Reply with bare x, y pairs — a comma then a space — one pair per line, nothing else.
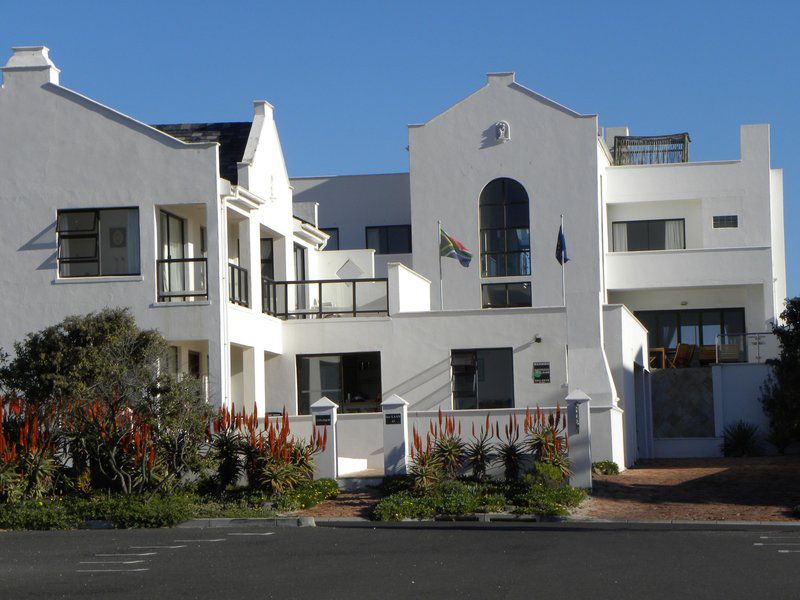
450, 247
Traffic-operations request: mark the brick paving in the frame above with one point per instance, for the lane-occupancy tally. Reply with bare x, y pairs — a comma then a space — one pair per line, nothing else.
718, 489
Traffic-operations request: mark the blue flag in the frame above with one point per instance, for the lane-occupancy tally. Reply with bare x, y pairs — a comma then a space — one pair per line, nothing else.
561, 248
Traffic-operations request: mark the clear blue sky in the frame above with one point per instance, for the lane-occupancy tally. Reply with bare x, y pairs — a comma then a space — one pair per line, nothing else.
347, 77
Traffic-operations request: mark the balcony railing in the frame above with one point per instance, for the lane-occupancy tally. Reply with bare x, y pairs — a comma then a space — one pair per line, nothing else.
651, 150
238, 285
320, 299
182, 279
747, 347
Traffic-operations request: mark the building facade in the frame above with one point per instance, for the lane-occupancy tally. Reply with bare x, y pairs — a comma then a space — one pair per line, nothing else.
279, 292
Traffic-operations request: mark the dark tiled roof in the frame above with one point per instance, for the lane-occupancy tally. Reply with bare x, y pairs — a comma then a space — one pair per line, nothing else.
232, 138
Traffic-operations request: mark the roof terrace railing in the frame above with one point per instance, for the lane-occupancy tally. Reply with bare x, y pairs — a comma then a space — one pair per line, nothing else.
323, 298
651, 150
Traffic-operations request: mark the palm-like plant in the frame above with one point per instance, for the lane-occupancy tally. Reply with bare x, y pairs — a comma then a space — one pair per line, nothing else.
510, 450
448, 446
479, 452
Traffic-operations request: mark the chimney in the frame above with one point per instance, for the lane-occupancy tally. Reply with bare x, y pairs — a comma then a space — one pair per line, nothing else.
504, 78
31, 64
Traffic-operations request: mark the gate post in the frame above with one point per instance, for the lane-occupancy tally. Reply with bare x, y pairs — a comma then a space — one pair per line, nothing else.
395, 436
579, 429
323, 414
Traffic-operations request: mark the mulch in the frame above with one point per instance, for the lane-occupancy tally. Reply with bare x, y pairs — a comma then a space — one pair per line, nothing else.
348, 504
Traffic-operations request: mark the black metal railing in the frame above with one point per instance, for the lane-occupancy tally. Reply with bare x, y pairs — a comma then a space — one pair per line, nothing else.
323, 298
238, 285
182, 279
651, 150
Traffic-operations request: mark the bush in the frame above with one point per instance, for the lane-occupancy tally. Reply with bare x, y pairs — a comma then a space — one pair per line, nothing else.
541, 500
40, 515
403, 505
492, 503
547, 474
140, 511
605, 467
308, 494
741, 439
454, 498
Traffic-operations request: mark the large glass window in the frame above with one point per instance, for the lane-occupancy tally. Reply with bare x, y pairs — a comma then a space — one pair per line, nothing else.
389, 239
267, 260
506, 295
94, 243
668, 328
636, 236
482, 378
505, 229
353, 381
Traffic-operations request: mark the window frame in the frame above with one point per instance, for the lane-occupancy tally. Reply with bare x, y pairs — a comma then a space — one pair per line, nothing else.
725, 222
506, 229
90, 234
328, 230
626, 222
475, 352
385, 229
505, 284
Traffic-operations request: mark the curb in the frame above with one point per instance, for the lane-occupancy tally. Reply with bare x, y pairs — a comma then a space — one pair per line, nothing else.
253, 522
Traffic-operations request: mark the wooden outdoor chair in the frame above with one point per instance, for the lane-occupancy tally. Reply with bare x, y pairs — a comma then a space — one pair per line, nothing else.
683, 356
708, 355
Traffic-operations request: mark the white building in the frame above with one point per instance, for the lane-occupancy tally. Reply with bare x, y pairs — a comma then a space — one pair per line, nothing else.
198, 229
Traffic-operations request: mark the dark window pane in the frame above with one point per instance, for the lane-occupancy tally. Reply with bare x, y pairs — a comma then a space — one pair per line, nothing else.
668, 330
733, 321
494, 295
77, 247
518, 239
519, 294
494, 265
79, 269
77, 221
391, 239
494, 240
518, 263
517, 215
690, 328
267, 260
399, 240
493, 193
492, 216
711, 327
638, 236
657, 235
482, 378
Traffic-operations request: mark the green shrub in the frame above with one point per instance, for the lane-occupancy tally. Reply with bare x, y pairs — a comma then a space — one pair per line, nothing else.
741, 439
547, 474
403, 505
489, 503
396, 483
454, 498
307, 495
45, 514
140, 511
605, 467
541, 500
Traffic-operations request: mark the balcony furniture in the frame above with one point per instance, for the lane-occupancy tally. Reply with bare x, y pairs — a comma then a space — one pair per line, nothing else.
683, 356
658, 358
182, 279
708, 355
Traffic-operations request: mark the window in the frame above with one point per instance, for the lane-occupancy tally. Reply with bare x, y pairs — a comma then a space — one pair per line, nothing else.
353, 381
267, 260
726, 221
505, 295
95, 243
203, 242
173, 360
505, 229
389, 239
482, 378
668, 328
636, 236
333, 240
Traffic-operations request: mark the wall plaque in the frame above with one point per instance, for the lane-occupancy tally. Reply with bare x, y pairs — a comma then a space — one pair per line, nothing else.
321, 420
394, 419
541, 372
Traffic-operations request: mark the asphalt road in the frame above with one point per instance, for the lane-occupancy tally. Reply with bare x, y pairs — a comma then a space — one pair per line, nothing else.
447, 561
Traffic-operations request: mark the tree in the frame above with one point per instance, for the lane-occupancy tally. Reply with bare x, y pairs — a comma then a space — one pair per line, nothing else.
137, 427
781, 393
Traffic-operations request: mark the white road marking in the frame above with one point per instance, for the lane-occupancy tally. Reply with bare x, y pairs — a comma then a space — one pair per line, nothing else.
192, 541
152, 547
776, 544
110, 562
787, 551
130, 554
269, 533
110, 570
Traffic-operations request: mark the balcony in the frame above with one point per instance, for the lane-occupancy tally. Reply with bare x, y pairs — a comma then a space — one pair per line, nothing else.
321, 299
651, 149
747, 347
238, 285
182, 279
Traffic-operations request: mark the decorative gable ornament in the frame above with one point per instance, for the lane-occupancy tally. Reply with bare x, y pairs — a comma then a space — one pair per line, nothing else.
502, 131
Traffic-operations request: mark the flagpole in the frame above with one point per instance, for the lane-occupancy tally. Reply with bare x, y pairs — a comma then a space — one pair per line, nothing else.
439, 251
564, 301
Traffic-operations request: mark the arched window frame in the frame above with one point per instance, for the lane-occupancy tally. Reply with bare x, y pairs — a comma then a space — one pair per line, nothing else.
504, 217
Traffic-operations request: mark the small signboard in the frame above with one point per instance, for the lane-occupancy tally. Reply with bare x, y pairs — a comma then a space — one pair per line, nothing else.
541, 372
394, 418
321, 420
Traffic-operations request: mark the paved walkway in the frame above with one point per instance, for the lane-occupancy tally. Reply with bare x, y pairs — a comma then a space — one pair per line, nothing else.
719, 489
358, 503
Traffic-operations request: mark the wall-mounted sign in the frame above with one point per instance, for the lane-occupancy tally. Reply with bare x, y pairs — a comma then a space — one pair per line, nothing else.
322, 420
541, 372
394, 419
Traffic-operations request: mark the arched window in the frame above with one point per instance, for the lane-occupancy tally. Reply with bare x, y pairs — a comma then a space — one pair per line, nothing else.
505, 229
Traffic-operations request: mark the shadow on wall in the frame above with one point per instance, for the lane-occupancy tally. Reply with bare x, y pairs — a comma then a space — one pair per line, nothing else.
489, 137
44, 240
